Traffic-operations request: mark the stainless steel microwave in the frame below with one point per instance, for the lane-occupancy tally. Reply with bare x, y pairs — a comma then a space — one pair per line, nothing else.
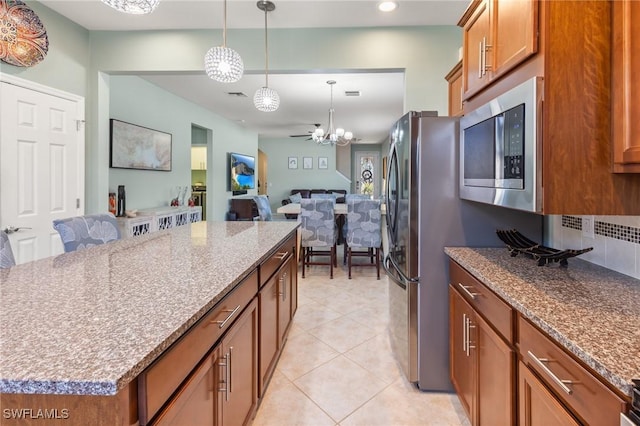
501, 150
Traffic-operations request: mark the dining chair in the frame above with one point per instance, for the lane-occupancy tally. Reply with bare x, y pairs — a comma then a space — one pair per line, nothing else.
81, 232
264, 207
317, 231
6, 254
364, 231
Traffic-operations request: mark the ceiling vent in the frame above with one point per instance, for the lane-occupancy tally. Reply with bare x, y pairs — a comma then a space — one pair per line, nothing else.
352, 93
238, 94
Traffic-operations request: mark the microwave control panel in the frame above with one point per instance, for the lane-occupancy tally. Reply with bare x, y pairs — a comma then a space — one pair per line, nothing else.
514, 143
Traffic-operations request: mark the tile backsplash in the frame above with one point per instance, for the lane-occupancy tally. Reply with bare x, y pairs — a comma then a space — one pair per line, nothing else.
615, 241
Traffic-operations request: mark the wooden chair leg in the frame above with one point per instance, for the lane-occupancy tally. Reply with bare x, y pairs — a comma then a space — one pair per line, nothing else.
335, 255
349, 260
304, 254
344, 253
378, 262
332, 259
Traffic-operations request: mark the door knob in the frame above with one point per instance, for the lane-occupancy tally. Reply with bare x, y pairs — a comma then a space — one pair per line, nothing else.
12, 229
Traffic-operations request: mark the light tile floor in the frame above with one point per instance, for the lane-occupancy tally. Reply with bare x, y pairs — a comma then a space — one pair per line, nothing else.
337, 367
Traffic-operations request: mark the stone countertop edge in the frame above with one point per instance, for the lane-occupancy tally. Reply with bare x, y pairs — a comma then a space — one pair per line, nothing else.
209, 243
534, 290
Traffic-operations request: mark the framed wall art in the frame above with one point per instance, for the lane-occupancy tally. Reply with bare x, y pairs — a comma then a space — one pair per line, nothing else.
307, 162
323, 163
137, 147
293, 162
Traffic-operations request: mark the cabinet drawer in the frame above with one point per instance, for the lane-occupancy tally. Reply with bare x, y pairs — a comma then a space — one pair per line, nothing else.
587, 397
272, 263
163, 377
498, 313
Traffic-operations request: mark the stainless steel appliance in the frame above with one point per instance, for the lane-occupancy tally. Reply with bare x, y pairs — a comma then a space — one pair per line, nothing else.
199, 194
500, 156
425, 214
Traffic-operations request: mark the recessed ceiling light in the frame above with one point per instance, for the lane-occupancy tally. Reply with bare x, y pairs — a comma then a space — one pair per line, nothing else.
387, 6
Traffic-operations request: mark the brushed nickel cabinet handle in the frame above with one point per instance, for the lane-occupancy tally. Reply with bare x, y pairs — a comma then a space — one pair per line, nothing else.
224, 383
281, 256
464, 333
230, 373
221, 323
480, 59
541, 362
466, 288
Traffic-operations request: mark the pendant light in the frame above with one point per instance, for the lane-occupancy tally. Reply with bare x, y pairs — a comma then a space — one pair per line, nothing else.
222, 63
134, 7
266, 99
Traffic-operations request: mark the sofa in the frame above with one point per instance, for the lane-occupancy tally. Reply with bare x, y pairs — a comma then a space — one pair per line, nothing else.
306, 193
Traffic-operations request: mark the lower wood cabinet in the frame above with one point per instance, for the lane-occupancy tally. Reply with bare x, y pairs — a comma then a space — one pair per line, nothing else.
223, 389
278, 300
238, 362
496, 375
482, 366
538, 406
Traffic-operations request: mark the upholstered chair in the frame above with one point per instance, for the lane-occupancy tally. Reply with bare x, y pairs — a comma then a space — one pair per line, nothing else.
264, 207
81, 232
315, 196
318, 232
6, 254
364, 231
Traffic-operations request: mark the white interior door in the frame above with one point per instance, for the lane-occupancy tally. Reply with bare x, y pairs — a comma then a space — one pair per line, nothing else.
366, 171
41, 163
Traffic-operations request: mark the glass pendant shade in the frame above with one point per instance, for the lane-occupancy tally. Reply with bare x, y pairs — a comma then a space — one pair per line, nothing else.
134, 7
266, 99
223, 64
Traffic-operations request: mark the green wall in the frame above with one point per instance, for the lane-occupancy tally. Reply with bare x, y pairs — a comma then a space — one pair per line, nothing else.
67, 62
281, 180
91, 63
158, 109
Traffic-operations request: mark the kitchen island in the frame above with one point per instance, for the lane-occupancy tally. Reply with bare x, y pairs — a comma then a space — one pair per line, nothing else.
575, 327
77, 330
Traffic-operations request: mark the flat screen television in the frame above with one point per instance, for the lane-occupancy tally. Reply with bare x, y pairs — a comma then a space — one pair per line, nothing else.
241, 172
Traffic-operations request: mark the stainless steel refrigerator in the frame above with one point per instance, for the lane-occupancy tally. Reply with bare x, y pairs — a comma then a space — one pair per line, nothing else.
425, 214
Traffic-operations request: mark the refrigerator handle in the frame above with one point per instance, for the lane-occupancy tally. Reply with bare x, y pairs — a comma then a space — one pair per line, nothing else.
396, 274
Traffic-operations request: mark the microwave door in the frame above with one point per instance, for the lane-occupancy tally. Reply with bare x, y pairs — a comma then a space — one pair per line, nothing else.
499, 150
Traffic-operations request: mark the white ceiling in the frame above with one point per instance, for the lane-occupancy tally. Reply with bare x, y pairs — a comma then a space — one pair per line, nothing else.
304, 97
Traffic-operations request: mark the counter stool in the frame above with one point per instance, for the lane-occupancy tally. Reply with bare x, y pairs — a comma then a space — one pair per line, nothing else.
81, 232
317, 230
364, 231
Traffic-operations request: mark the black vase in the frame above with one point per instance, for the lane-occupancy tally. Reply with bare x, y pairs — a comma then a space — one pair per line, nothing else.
121, 201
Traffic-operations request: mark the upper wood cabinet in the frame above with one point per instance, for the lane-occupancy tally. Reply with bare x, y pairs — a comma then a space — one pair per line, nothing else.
454, 78
626, 86
198, 158
497, 36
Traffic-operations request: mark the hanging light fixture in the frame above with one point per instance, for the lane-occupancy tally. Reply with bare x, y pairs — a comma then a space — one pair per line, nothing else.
333, 136
266, 99
222, 63
134, 7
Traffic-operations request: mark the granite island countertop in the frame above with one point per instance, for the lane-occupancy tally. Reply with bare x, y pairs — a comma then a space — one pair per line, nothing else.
89, 322
592, 311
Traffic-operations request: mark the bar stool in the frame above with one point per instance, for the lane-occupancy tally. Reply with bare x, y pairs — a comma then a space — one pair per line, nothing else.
6, 254
364, 231
81, 232
317, 230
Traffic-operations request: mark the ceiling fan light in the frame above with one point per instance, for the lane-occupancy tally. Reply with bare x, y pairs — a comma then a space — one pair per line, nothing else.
134, 7
223, 64
348, 136
266, 99
340, 132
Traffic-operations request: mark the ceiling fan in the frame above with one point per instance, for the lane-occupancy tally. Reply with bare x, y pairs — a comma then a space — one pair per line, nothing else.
308, 134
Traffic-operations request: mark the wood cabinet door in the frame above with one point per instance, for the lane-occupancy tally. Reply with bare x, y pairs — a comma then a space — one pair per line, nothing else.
462, 351
515, 33
536, 405
269, 339
476, 34
496, 378
626, 87
240, 369
195, 402
454, 78
284, 299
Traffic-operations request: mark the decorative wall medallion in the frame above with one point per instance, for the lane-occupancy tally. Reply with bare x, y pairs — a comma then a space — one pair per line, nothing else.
23, 38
